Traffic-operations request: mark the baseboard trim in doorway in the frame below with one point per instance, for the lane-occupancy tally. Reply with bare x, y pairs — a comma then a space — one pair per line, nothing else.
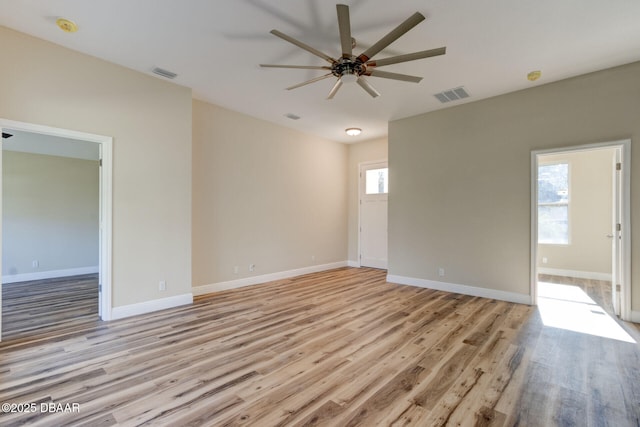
635, 316
255, 280
354, 264
150, 306
575, 273
52, 274
461, 289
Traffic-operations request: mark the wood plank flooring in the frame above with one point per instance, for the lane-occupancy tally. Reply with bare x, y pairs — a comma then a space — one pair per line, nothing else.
338, 348
42, 307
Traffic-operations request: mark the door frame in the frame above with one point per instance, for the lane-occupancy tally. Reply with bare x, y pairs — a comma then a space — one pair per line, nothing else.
105, 208
361, 182
624, 147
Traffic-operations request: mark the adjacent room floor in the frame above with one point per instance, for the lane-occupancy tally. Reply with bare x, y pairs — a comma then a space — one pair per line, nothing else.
340, 348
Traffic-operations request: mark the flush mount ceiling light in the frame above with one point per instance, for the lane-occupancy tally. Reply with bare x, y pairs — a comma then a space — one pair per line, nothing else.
66, 25
353, 131
534, 75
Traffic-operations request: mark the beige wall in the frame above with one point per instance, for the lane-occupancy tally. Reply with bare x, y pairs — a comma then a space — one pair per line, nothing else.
460, 177
590, 214
50, 212
367, 151
264, 195
150, 122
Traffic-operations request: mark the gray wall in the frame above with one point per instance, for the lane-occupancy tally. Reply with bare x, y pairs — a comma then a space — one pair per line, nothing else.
50, 210
460, 177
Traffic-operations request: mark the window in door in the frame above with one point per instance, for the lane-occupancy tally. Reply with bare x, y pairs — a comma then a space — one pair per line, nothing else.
377, 181
553, 204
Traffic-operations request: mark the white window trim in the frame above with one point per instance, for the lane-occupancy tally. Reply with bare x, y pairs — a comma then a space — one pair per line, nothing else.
567, 203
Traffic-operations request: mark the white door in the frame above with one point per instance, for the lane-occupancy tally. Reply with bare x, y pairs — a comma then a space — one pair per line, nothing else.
374, 190
616, 235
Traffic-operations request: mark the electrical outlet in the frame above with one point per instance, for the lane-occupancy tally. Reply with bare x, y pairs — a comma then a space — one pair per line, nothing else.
252, 267
544, 260
313, 257
441, 272
35, 263
162, 286
236, 270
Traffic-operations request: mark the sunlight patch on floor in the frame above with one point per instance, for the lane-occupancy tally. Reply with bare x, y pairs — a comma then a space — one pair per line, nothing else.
569, 307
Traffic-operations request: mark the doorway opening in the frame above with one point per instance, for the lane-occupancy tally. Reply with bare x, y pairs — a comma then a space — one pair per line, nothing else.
374, 193
580, 234
81, 145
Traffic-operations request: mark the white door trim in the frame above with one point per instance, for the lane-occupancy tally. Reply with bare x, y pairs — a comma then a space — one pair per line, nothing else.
625, 146
361, 167
106, 200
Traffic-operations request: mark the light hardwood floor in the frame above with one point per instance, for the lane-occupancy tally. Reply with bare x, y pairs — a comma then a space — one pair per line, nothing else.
339, 348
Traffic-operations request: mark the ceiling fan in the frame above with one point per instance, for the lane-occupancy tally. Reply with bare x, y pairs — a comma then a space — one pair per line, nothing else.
350, 68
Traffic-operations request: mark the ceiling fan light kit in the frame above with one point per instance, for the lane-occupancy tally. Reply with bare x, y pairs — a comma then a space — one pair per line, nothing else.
350, 68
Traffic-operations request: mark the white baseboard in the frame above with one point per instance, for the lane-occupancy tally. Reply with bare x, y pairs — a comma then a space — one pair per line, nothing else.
248, 281
635, 316
575, 273
52, 274
354, 264
461, 289
150, 306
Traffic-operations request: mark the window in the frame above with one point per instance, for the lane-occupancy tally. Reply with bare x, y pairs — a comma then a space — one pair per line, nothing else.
553, 204
377, 181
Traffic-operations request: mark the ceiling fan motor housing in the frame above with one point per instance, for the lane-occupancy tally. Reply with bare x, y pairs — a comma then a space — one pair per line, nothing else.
348, 66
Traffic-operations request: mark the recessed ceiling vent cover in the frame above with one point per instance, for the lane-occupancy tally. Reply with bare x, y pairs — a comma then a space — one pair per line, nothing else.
164, 73
292, 116
452, 94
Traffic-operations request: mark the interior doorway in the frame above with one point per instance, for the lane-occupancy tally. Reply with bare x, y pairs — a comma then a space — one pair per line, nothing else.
374, 193
580, 228
104, 145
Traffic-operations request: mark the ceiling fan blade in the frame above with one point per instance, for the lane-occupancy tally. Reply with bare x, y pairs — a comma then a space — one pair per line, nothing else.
408, 57
317, 79
366, 86
335, 88
394, 76
304, 46
344, 24
394, 35
303, 67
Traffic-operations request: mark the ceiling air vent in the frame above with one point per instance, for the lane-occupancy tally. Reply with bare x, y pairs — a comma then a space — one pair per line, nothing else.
452, 94
164, 73
292, 116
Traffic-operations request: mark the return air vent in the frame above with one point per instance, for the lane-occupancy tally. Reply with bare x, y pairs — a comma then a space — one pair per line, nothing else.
292, 116
452, 94
164, 73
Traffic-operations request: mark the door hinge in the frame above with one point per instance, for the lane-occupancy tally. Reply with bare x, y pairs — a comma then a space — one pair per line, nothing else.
618, 227
618, 288
100, 162
618, 166
100, 288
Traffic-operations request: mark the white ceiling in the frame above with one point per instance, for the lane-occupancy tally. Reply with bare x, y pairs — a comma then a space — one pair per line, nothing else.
215, 48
